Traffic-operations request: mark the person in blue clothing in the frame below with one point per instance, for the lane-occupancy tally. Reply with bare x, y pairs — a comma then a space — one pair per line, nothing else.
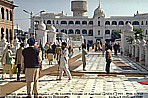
32, 60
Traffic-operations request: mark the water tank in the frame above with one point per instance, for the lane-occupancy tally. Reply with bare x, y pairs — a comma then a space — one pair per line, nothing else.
79, 7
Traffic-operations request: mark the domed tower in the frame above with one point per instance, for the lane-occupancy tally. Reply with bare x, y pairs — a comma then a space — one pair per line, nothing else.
79, 7
99, 11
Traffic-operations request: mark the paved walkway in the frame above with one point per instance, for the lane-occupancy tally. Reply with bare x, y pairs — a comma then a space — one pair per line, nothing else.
95, 83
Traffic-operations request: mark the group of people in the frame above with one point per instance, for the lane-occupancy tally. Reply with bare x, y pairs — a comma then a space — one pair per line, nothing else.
29, 62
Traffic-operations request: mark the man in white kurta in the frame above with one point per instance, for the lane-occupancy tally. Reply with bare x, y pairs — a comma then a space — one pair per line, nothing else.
63, 66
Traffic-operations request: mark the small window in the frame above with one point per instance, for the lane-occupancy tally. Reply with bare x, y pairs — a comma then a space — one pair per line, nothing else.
90, 33
84, 22
121, 23
63, 22
107, 31
70, 22
77, 22
48, 22
142, 23
84, 32
98, 32
90, 22
98, 23
135, 23
107, 23
114, 23
77, 31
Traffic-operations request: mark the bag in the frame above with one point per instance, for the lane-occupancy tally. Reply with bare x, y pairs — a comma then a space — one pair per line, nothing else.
14, 69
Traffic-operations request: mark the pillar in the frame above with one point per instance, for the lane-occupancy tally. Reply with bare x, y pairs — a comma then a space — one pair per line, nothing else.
146, 55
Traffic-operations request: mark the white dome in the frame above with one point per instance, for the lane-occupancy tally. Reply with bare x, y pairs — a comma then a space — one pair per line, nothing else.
51, 28
128, 27
42, 26
99, 12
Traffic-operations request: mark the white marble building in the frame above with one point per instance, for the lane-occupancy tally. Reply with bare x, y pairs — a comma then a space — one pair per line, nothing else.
93, 29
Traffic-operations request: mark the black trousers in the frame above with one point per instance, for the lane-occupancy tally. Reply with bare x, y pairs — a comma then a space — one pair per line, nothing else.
108, 66
19, 71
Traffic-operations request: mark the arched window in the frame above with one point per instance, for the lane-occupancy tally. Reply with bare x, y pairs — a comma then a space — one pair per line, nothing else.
10, 15
57, 30
127, 22
84, 32
70, 22
98, 23
2, 12
107, 31
2, 33
77, 22
107, 23
7, 14
53, 22
135, 23
63, 22
77, 31
114, 23
71, 31
84, 22
146, 32
90, 22
146, 23
57, 22
141, 22
90, 33
11, 35
7, 35
64, 31
121, 23
48, 21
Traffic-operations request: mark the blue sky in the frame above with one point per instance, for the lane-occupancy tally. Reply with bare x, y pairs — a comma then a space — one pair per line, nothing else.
110, 7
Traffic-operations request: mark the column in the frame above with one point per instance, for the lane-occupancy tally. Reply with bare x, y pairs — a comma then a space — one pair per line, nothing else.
137, 53
146, 55
141, 56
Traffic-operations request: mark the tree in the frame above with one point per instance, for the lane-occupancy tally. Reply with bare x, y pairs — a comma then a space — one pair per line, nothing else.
139, 33
116, 34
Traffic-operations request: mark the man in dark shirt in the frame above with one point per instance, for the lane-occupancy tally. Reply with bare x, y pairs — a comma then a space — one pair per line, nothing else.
31, 64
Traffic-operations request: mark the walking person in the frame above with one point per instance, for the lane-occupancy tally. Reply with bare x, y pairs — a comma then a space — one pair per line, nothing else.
46, 48
63, 62
6, 62
70, 52
108, 58
58, 51
32, 67
88, 47
103, 49
19, 60
115, 48
83, 56
50, 55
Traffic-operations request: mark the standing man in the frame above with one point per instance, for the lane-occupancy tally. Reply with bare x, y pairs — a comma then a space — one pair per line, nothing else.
19, 59
108, 58
32, 67
63, 62
83, 56
6, 62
